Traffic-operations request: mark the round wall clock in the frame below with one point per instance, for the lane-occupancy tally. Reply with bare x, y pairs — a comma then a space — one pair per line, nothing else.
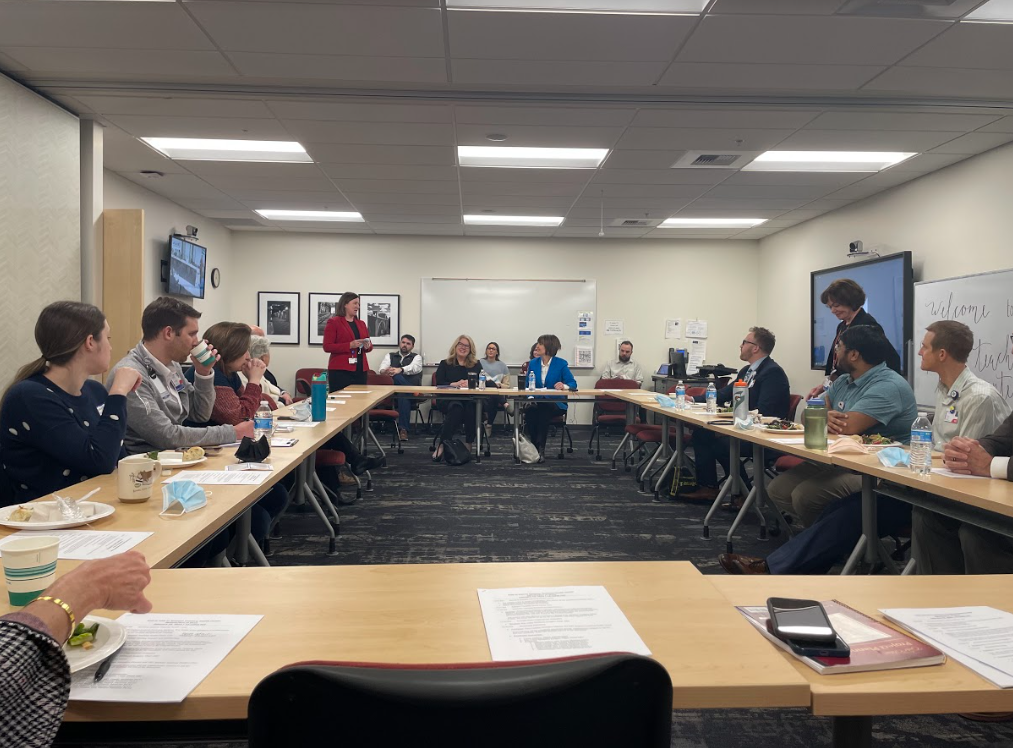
216, 277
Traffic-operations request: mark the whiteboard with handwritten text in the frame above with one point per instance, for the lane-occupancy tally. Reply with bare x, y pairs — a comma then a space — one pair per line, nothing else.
985, 304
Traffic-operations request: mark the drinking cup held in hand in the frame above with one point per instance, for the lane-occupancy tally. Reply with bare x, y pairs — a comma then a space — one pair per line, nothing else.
202, 352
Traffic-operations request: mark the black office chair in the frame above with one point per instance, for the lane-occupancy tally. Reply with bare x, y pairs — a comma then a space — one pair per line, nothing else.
602, 701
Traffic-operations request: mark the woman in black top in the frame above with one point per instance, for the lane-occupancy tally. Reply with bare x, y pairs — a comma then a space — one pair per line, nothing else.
453, 372
844, 298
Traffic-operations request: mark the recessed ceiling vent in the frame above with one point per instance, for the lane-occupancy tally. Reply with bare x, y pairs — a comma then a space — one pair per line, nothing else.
636, 223
714, 159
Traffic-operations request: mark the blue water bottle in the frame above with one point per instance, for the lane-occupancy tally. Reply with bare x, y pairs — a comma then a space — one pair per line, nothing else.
319, 397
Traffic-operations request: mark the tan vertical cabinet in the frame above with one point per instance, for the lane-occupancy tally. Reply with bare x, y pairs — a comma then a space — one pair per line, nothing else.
123, 269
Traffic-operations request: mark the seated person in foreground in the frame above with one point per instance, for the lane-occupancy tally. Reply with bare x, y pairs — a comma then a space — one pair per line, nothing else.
58, 426
625, 367
551, 373
35, 679
453, 371
405, 368
966, 406
769, 393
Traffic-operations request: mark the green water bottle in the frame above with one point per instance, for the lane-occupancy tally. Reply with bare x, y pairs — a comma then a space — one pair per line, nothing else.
814, 419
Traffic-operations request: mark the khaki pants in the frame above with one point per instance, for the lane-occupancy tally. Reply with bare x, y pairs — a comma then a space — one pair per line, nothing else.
942, 545
806, 490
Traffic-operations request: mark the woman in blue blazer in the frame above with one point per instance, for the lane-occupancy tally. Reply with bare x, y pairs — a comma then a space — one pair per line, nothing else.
550, 373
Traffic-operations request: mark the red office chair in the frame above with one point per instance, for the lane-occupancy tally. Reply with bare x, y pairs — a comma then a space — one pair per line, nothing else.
608, 411
385, 412
601, 701
303, 379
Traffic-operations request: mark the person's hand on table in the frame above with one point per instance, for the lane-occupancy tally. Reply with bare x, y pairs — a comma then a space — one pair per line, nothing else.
461, 383
967, 456
559, 386
245, 428
125, 381
837, 422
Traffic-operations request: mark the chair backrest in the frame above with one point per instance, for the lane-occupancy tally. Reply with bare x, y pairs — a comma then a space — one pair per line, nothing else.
303, 377
607, 700
381, 380
695, 392
793, 402
607, 403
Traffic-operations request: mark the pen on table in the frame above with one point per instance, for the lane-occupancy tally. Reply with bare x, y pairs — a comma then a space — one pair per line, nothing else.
104, 667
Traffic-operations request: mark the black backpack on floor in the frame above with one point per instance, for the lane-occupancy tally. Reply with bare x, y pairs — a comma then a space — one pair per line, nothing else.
455, 452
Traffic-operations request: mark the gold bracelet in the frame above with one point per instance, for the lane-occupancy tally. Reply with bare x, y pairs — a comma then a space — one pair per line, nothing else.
66, 609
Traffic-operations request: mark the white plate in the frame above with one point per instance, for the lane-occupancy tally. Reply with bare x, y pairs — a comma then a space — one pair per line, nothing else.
111, 635
101, 510
168, 462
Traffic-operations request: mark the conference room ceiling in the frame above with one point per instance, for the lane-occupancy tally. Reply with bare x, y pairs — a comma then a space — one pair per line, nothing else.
381, 93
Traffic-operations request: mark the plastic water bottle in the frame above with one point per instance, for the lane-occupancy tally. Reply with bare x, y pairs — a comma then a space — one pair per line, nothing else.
481, 380
531, 378
921, 445
740, 402
263, 421
712, 398
680, 396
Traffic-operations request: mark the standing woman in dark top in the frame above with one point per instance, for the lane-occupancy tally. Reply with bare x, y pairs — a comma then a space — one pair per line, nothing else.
453, 372
844, 298
347, 340
58, 426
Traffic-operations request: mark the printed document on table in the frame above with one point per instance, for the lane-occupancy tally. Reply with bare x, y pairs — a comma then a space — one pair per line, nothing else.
305, 424
947, 473
538, 623
978, 636
84, 545
220, 477
165, 657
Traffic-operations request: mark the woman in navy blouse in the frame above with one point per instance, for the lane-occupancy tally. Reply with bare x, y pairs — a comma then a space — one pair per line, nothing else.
57, 426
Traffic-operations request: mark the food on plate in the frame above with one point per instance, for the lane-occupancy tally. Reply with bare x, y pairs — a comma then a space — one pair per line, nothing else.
21, 514
783, 424
193, 453
83, 636
876, 439
152, 455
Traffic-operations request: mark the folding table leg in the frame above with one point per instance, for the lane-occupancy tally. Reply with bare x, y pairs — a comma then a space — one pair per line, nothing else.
734, 450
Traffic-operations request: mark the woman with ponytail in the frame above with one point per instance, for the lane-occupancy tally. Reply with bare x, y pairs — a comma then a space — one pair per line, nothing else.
57, 426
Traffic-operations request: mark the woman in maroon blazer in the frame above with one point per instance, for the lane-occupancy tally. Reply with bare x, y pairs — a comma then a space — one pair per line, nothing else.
347, 340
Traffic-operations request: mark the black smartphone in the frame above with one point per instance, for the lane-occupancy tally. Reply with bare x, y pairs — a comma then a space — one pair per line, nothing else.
800, 620
837, 648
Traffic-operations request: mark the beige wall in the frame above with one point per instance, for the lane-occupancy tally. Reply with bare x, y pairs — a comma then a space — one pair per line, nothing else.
40, 257
161, 218
638, 282
955, 222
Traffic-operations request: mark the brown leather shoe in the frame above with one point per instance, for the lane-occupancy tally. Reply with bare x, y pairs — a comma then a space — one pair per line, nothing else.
733, 563
702, 493
403, 435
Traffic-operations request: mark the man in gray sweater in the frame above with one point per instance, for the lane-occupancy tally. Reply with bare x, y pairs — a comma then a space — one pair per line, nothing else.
165, 399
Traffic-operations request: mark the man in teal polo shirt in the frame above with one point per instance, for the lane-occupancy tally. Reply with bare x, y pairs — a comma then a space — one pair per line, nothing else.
870, 398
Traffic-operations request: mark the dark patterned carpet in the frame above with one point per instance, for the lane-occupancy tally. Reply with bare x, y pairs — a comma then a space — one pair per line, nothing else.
571, 510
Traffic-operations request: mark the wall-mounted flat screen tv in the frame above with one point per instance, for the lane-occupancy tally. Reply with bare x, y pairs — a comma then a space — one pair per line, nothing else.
187, 262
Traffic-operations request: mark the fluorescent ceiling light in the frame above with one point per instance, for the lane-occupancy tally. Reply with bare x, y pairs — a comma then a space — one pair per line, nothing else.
994, 11
530, 158
210, 149
309, 215
711, 223
494, 220
825, 161
630, 7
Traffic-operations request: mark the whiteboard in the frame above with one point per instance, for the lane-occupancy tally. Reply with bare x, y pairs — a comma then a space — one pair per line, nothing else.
985, 304
511, 312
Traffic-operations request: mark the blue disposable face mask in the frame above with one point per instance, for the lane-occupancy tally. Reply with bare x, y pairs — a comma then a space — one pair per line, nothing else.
187, 494
894, 457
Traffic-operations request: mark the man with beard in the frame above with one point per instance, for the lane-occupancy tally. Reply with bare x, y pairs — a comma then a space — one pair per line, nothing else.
625, 367
405, 368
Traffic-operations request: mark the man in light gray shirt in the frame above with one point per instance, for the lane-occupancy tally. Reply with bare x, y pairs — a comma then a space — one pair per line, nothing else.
157, 409
625, 367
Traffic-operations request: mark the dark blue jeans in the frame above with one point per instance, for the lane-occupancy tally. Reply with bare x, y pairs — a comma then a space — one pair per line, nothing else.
403, 404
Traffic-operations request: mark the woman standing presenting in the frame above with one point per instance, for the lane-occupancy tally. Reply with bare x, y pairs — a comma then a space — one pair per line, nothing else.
550, 373
453, 372
347, 340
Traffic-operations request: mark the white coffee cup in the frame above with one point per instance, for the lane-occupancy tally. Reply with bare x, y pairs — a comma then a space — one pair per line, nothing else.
202, 352
29, 566
135, 476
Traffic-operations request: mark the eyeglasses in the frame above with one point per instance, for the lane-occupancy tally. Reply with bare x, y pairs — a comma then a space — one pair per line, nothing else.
464, 345
748, 342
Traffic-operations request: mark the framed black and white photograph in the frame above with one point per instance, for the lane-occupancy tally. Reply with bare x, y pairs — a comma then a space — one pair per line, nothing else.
278, 314
382, 313
323, 306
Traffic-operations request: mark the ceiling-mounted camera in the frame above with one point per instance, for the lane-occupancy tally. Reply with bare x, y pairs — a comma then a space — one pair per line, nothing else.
856, 250
855, 247
191, 231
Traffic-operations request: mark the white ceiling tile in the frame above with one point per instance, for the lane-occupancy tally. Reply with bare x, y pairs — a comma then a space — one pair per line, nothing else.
574, 116
750, 204
331, 153
390, 171
251, 170
944, 82
968, 45
398, 185
264, 197
975, 142
657, 138
357, 111
694, 211
610, 233
422, 229
419, 213
540, 136
534, 189
123, 153
777, 77
373, 216
200, 127
549, 73
99, 25
769, 191
174, 106
787, 7
120, 63
948, 9
802, 215
551, 203
492, 174
653, 191
354, 133
404, 198
233, 185
911, 121
178, 185
589, 214
209, 204
801, 40
871, 185
864, 140
661, 176
830, 180
508, 231
633, 160
926, 162
759, 232
293, 28
565, 36
282, 201
1004, 124
731, 119
627, 206
341, 68
232, 215
835, 201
